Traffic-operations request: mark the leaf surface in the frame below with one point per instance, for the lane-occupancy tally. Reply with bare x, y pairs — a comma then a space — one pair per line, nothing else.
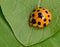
17, 14
54, 41
7, 39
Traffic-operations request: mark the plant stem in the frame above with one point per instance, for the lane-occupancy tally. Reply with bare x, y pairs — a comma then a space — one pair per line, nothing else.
39, 3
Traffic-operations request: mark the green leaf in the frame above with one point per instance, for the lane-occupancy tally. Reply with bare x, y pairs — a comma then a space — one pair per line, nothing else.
7, 39
17, 14
54, 41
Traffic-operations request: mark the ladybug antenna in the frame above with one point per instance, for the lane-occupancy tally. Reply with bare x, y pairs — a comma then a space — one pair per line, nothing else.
39, 3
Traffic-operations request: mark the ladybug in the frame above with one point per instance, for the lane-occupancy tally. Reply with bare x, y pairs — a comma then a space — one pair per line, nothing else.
40, 17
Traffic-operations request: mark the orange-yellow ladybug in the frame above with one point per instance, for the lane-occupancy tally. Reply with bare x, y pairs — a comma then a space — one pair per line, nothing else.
40, 17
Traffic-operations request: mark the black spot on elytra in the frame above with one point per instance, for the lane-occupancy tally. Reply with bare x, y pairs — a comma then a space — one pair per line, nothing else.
49, 20
44, 20
46, 11
44, 24
33, 15
33, 21
43, 9
38, 10
48, 15
40, 15
39, 23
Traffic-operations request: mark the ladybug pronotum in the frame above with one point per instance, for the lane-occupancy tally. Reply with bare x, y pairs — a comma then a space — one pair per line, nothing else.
40, 17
